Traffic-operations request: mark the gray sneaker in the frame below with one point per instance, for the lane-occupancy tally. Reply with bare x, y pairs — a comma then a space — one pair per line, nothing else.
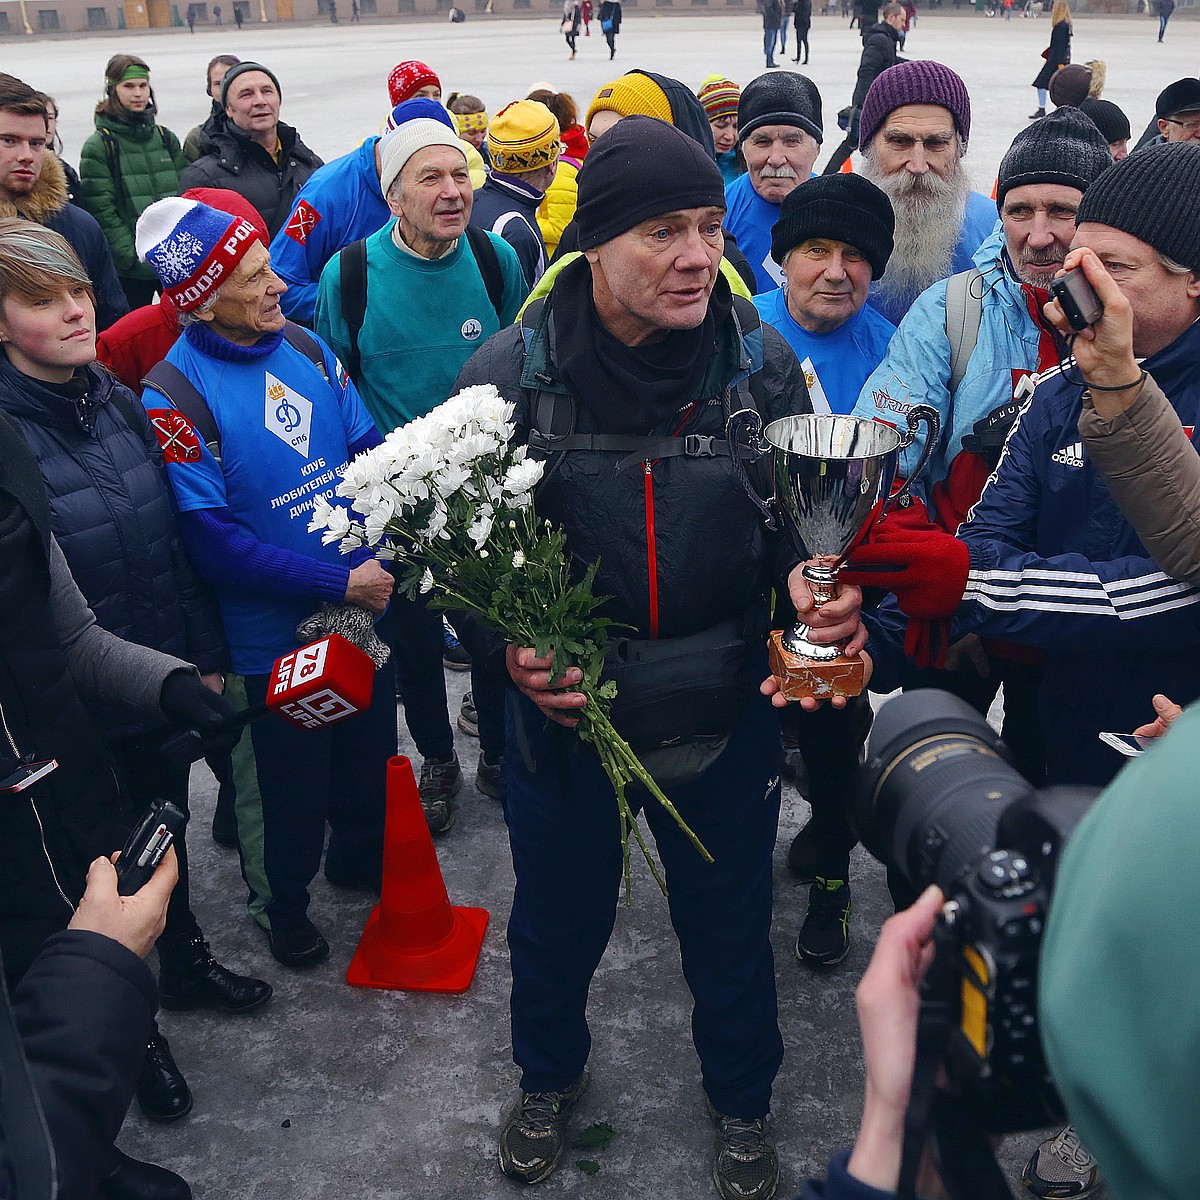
532, 1140
746, 1166
1062, 1167
441, 780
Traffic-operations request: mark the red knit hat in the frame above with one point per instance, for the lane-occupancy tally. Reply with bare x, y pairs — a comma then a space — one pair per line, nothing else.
407, 78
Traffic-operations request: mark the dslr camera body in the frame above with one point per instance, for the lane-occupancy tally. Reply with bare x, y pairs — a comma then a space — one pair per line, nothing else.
939, 802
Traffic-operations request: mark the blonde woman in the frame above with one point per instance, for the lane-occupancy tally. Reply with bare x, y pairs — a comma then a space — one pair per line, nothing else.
1057, 54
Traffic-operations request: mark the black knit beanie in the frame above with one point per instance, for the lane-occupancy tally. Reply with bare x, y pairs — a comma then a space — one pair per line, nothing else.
1154, 195
641, 168
1109, 119
1065, 147
240, 69
780, 98
845, 208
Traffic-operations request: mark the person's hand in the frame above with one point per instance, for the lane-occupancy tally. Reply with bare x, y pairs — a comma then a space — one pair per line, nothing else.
134, 921
187, 702
370, 587
835, 620
889, 1003
1104, 351
214, 681
532, 677
969, 649
1167, 711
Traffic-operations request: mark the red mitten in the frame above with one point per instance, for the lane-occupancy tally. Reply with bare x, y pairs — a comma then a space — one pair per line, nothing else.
925, 569
926, 642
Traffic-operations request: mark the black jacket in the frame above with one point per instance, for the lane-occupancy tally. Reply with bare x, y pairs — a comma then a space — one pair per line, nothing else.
81, 1058
110, 509
230, 159
880, 46
1058, 53
714, 556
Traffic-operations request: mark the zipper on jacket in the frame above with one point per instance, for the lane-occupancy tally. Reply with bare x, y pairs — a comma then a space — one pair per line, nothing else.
37, 816
651, 548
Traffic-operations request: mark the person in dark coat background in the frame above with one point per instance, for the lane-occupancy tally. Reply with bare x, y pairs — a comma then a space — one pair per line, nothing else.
252, 152
802, 20
772, 19
881, 49
111, 513
610, 24
1057, 54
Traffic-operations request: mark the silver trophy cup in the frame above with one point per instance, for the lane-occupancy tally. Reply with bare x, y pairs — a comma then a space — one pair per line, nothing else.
832, 478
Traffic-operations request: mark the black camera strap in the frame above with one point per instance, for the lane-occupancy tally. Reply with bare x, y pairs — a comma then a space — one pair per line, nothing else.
965, 1161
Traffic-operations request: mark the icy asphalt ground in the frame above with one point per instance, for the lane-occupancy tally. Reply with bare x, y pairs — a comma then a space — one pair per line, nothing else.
336, 1093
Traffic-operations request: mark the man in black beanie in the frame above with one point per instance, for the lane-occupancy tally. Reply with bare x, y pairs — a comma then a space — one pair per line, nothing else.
779, 130
623, 378
1112, 123
1046, 561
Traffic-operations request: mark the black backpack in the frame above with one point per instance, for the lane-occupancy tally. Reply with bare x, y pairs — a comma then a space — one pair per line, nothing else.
352, 269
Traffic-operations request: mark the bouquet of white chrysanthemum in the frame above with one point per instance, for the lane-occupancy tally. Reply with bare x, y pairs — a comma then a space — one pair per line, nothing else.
449, 498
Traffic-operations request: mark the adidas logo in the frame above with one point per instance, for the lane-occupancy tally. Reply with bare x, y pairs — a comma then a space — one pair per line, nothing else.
1069, 456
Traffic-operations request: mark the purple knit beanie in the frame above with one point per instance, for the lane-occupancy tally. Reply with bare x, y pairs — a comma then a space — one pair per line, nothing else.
920, 82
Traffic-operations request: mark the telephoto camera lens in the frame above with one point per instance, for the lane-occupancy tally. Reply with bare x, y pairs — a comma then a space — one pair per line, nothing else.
936, 780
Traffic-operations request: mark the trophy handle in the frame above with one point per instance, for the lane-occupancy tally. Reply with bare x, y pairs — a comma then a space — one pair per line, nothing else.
919, 414
745, 426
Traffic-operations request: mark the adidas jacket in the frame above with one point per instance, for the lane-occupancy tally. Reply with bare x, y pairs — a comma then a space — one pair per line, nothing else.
1056, 565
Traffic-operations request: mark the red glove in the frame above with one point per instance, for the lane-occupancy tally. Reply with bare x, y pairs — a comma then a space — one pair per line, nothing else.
925, 568
926, 642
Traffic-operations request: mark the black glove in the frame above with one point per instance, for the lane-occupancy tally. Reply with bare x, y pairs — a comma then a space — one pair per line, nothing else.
988, 435
186, 701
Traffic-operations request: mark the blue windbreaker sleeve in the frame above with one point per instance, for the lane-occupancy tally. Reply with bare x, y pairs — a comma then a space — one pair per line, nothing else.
839, 1184
228, 557
886, 629
1021, 596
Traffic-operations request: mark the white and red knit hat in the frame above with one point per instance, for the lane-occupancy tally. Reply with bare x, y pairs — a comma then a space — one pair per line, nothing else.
191, 247
407, 77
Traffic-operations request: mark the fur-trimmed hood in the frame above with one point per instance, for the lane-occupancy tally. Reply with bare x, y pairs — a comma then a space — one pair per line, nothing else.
49, 195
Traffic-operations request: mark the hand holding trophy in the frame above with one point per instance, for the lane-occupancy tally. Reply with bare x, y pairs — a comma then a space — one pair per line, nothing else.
832, 479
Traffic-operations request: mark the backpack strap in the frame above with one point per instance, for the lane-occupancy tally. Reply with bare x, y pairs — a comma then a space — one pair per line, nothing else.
488, 262
964, 314
352, 271
168, 379
300, 339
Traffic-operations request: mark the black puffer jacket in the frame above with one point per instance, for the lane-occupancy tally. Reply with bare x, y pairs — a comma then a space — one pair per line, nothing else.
713, 556
111, 513
230, 159
881, 44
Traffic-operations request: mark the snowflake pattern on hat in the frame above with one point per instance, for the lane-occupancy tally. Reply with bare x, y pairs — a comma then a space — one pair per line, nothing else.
177, 257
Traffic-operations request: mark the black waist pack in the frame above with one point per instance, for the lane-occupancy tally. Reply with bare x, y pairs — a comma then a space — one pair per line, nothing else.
678, 699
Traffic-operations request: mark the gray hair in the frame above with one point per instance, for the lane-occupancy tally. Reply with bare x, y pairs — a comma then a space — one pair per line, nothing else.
192, 316
1171, 266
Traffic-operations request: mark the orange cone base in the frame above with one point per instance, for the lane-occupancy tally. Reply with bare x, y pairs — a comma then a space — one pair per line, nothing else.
447, 967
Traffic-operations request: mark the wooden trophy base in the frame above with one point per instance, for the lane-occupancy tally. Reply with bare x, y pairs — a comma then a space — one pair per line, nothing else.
801, 678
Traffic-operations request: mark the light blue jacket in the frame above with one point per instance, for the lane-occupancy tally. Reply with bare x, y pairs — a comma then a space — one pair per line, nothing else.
916, 368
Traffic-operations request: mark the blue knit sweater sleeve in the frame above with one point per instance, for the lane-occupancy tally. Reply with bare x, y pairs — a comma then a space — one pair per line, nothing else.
228, 557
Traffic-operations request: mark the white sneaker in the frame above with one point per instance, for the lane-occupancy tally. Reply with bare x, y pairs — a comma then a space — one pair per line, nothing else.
1061, 1167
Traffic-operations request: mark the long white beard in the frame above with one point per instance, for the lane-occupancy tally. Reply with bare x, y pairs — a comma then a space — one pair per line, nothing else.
929, 214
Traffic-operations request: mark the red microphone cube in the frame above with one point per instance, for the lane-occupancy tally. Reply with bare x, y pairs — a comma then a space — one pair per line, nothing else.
321, 683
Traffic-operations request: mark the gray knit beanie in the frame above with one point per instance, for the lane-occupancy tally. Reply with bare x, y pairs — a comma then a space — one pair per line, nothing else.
1153, 195
1065, 147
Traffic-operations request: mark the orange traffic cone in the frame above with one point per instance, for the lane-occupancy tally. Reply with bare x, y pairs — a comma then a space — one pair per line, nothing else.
414, 940
847, 168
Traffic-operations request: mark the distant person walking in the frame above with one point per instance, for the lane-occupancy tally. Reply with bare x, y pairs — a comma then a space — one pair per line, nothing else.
237, 16
610, 24
772, 19
802, 20
1057, 54
192, 18
570, 23
1162, 10
217, 13
585, 11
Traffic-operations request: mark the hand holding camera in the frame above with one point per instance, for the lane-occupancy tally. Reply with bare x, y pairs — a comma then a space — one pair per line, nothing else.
1103, 349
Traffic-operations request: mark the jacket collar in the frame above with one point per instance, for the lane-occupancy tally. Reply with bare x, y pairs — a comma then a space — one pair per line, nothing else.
49, 195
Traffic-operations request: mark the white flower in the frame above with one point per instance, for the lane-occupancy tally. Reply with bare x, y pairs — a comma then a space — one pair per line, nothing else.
518, 560
435, 525
377, 520
521, 477
450, 479
480, 529
426, 582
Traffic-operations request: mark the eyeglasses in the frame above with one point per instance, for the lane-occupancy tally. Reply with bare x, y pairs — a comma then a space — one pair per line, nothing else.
1189, 126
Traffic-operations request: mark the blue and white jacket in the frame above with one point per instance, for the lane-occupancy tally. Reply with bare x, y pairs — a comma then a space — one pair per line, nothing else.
1055, 564
916, 368
341, 202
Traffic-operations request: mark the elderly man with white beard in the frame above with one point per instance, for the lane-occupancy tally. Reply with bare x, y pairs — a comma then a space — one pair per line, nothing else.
978, 385
913, 133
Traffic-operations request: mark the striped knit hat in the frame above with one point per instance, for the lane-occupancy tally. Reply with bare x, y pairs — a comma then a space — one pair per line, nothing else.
523, 136
719, 96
